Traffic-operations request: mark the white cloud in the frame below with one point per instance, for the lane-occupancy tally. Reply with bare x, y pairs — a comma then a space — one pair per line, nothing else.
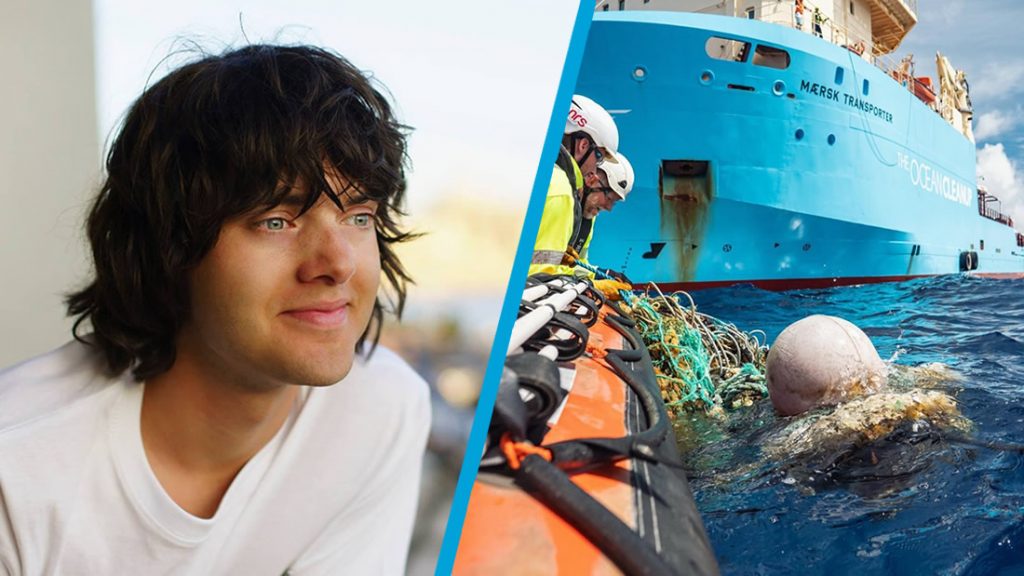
997, 81
1003, 179
995, 123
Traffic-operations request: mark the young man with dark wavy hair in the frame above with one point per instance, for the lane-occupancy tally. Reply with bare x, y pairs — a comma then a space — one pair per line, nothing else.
221, 409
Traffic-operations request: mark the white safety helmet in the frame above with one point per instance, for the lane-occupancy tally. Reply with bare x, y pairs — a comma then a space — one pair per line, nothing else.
589, 117
619, 173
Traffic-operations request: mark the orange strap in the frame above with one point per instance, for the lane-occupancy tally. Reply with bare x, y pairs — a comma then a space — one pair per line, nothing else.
515, 451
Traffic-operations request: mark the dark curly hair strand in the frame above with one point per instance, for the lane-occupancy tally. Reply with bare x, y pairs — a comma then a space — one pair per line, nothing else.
214, 140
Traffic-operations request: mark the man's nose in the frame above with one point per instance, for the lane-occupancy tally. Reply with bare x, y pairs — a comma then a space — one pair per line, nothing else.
328, 256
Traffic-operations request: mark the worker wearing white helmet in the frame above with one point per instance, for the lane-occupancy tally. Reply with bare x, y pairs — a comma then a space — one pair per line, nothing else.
615, 175
615, 181
590, 134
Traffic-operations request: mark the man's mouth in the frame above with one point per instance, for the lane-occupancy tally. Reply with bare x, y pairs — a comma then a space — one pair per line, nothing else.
321, 315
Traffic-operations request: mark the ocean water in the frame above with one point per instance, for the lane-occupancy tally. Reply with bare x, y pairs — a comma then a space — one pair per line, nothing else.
937, 504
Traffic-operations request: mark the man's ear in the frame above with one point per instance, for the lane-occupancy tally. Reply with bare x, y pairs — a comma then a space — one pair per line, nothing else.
580, 147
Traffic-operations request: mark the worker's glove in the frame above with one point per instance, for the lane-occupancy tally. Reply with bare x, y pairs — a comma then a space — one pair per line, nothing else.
610, 288
616, 275
570, 257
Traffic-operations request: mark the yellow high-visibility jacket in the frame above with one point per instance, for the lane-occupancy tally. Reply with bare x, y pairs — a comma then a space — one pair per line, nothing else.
556, 226
559, 222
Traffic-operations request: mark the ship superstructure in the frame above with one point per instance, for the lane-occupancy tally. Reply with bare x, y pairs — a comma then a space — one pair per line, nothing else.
788, 148
873, 27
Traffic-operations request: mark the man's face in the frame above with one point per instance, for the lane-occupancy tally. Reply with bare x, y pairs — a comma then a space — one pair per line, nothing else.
592, 179
283, 298
588, 166
600, 198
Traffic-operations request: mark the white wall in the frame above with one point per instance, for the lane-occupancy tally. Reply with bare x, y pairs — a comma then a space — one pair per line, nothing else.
49, 165
778, 12
857, 25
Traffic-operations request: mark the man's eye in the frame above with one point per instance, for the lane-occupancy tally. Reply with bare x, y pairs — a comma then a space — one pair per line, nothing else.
274, 224
362, 220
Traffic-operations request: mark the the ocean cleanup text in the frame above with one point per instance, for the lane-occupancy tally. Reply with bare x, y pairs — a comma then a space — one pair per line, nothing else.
850, 100
931, 180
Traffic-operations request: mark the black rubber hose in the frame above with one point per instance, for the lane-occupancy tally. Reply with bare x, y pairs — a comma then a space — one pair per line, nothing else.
510, 412
627, 328
605, 530
642, 381
540, 377
568, 348
639, 380
591, 310
586, 452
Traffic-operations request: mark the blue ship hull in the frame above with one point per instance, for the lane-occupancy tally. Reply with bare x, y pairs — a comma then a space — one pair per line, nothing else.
827, 172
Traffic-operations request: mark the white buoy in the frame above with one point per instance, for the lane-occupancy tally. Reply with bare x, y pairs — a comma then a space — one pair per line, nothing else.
821, 361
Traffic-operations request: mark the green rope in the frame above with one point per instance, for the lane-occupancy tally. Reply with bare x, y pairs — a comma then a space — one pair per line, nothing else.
700, 361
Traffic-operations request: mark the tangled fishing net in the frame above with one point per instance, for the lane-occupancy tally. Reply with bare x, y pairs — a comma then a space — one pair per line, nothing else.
700, 361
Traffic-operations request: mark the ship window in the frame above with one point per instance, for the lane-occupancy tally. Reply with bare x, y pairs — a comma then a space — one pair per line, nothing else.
751, 12
622, 4
726, 49
839, 74
771, 57
604, 8
851, 7
867, 86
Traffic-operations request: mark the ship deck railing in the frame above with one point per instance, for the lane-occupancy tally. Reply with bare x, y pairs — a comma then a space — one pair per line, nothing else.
984, 200
902, 70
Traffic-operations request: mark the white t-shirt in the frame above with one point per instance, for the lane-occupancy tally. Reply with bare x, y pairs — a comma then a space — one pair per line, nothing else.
334, 492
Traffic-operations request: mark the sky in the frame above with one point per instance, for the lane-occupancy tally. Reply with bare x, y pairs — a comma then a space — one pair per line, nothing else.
475, 79
983, 38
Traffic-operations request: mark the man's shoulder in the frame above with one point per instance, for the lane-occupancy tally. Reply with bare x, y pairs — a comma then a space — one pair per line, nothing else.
384, 362
49, 383
381, 382
559, 185
389, 374
356, 450
50, 419
352, 435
